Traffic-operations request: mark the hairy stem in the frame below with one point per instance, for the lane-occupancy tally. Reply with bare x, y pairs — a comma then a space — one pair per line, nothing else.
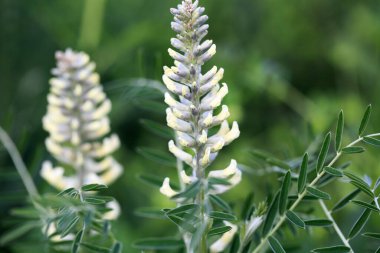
303, 194
19, 164
335, 225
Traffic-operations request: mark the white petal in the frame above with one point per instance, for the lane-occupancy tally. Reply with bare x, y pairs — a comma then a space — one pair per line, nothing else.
180, 154
166, 189
221, 244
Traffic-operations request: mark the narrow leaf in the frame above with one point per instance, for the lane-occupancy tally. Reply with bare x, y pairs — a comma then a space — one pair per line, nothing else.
93, 187
158, 244
117, 248
366, 205
319, 223
371, 141
75, 246
332, 249
183, 209
334, 172
359, 224
157, 128
69, 227
95, 247
182, 223
365, 119
339, 131
372, 235
275, 245
220, 202
222, 216
303, 174
318, 193
219, 230
353, 150
271, 215
364, 188
345, 200
323, 152
284, 192
295, 219
190, 192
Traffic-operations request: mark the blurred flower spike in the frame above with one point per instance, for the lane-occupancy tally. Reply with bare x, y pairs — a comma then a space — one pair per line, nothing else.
78, 125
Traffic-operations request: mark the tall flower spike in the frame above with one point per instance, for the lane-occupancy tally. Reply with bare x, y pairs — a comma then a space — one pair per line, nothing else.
77, 123
193, 98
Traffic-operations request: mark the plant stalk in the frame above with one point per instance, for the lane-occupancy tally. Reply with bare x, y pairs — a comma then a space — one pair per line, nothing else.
335, 225
19, 164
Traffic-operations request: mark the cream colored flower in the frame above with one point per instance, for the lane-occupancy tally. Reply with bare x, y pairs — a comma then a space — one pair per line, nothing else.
193, 97
222, 243
78, 125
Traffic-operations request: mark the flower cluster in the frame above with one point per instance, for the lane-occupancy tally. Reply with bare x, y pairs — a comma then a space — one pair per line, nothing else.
77, 123
193, 99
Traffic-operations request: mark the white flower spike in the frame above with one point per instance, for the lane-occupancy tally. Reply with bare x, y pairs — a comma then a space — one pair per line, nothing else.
193, 98
77, 123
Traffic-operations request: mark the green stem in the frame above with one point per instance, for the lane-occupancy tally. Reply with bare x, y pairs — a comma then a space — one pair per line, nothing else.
19, 164
335, 225
303, 194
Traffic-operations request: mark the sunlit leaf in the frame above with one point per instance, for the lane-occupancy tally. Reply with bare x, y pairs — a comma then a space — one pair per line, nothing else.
372, 141
366, 205
271, 215
222, 216
334, 172
353, 150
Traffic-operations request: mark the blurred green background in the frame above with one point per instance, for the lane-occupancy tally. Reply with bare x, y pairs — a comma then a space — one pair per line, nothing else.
290, 65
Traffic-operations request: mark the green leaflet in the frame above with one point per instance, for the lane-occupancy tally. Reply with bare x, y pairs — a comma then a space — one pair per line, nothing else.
318, 193
334, 172
275, 245
359, 224
366, 205
219, 230
332, 249
365, 119
372, 235
271, 215
222, 216
323, 152
339, 131
371, 141
353, 150
345, 200
318, 222
303, 173
220, 202
284, 192
295, 219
